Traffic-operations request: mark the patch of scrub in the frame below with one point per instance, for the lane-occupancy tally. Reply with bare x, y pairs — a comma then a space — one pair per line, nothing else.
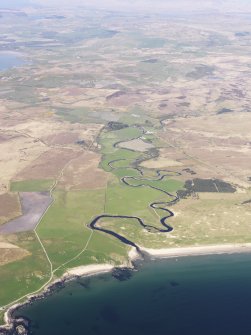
9, 208
11, 253
33, 204
136, 145
209, 185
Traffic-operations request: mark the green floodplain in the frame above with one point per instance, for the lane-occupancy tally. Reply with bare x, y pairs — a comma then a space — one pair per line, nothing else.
66, 221
167, 77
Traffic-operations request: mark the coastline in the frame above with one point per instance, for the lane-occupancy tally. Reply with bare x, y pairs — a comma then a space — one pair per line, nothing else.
199, 250
88, 270
11, 324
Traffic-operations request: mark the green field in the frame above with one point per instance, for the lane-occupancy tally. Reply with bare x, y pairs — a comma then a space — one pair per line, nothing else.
65, 224
134, 199
31, 185
26, 275
108, 79
111, 153
63, 229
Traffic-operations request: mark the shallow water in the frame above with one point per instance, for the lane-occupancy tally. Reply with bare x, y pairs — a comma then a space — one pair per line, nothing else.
191, 295
10, 59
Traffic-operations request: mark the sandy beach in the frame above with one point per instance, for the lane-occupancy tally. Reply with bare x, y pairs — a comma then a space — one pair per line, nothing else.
85, 270
95, 269
88, 270
199, 250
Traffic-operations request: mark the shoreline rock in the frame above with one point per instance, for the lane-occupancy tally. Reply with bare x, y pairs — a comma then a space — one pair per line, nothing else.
20, 326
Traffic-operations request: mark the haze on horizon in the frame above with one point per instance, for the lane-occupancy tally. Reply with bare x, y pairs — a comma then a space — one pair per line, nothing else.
140, 5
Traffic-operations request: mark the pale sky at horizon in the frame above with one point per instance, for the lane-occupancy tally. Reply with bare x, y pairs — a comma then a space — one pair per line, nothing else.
142, 5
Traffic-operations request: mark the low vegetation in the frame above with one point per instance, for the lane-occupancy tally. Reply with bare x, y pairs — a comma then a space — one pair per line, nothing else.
31, 186
172, 94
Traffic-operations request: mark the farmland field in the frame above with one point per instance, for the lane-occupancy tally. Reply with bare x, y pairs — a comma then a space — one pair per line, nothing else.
119, 131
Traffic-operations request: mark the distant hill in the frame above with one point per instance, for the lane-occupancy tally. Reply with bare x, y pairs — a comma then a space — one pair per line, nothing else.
14, 4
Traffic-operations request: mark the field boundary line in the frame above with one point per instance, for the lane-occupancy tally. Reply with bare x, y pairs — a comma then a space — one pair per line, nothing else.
54, 185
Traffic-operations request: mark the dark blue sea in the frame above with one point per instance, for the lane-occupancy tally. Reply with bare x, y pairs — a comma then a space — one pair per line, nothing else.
209, 295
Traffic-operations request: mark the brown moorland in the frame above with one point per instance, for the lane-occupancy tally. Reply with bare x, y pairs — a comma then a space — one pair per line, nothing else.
83, 173
10, 207
48, 165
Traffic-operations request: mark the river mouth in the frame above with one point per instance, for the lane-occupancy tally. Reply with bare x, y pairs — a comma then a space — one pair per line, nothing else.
192, 295
11, 59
